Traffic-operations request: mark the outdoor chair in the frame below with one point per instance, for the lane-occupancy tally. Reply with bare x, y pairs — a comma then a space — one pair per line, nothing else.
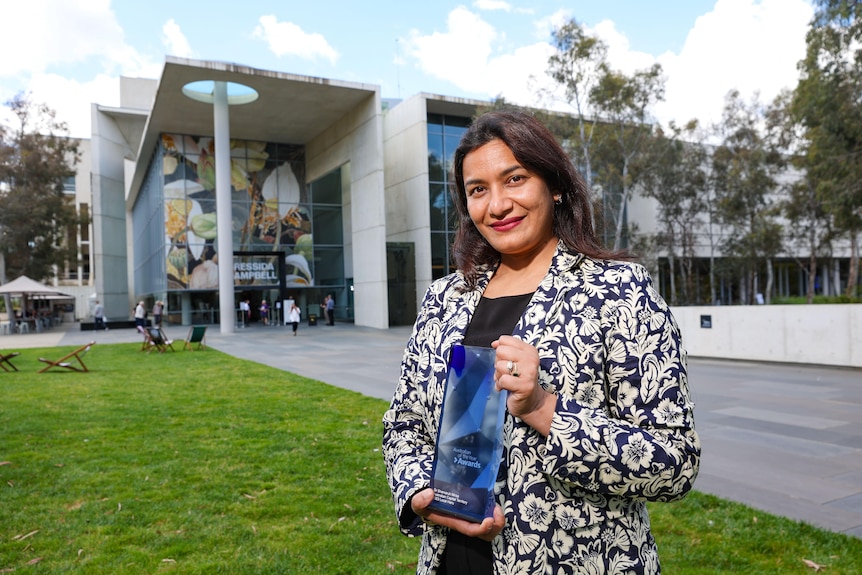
145, 345
159, 340
72, 361
197, 334
5, 362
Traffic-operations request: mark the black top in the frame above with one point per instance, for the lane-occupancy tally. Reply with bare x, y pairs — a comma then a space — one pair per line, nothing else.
495, 317
492, 318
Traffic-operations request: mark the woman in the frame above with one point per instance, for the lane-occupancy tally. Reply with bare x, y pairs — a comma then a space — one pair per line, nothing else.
599, 418
293, 317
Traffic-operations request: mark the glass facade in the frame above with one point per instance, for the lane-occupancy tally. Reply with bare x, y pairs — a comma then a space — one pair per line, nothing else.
444, 134
273, 211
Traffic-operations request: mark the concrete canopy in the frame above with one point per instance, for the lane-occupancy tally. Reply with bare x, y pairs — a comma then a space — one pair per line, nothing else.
291, 109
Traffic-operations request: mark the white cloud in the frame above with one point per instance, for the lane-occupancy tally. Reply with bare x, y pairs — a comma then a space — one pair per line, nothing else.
620, 54
288, 38
746, 45
77, 97
459, 55
749, 45
492, 5
40, 33
465, 55
175, 41
51, 36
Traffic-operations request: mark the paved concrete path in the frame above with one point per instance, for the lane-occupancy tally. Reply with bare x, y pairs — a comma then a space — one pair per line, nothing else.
785, 439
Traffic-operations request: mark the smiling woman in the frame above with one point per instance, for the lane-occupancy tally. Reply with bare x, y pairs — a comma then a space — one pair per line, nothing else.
598, 413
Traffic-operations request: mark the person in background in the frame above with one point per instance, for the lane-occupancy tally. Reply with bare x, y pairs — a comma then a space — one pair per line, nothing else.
293, 317
140, 316
599, 417
244, 311
264, 312
158, 309
99, 317
328, 306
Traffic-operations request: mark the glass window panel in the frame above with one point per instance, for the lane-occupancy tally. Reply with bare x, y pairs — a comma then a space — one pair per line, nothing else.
450, 241
328, 266
456, 125
438, 201
439, 255
435, 123
451, 144
327, 225
327, 190
452, 214
85, 223
435, 159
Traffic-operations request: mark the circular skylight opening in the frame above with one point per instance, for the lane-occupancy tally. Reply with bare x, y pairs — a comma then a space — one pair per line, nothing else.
237, 94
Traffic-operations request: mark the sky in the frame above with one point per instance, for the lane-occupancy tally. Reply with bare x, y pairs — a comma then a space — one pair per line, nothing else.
69, 54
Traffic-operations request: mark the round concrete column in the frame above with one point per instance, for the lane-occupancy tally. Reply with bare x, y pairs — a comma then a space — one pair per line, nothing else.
218, 93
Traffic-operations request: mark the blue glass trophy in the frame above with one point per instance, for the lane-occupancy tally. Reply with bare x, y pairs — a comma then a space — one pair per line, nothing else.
469, 441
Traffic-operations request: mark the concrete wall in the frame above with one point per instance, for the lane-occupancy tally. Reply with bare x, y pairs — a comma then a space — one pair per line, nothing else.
109, 241
357, 141
811, 334
405, 151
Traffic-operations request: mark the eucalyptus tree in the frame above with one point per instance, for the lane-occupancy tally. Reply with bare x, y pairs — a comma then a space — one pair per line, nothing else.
36, 158
624, 104
577, 65
677, 178
827, 103
810, 231
745, 165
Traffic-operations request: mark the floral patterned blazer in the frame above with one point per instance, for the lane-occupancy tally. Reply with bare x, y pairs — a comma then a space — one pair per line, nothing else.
622, 433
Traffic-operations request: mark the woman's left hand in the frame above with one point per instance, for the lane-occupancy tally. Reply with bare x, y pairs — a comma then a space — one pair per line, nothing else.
517, 371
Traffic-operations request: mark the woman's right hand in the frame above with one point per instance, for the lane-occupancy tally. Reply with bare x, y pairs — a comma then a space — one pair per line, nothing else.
488, 529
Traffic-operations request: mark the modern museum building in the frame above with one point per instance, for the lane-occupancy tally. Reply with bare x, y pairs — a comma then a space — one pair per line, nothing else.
218, 184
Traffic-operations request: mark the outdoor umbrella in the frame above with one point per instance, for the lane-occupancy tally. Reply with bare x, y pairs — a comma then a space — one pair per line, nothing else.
24, 286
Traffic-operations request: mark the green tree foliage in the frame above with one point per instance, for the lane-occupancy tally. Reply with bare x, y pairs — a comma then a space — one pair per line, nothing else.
826, 103
745, 165
577, 65
624, 104
809, 231
678, 181
612, 112
36, 157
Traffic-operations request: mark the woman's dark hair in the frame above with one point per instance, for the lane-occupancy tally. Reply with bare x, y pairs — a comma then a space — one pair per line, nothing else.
538, 151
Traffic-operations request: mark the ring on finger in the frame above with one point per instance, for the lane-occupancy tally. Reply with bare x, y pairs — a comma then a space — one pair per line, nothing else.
514, 371
510, 366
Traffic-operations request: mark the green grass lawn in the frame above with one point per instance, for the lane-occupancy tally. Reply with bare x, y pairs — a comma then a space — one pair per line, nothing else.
203, 463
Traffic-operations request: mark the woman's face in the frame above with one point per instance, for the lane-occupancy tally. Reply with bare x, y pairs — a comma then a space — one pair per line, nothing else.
510, 206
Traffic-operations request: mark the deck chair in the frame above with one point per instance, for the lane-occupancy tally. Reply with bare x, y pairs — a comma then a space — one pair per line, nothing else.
146, 344
5, 361
69, 360
159, 340
197, 334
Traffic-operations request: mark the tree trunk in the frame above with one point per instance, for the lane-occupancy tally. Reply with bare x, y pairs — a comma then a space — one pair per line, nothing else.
672, 270
854, 265
7, 299
621, 213
712, 298
824, 279
769, 281
812, 275
836, 277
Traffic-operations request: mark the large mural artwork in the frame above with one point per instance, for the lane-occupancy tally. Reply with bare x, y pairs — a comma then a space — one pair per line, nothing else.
269, 208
